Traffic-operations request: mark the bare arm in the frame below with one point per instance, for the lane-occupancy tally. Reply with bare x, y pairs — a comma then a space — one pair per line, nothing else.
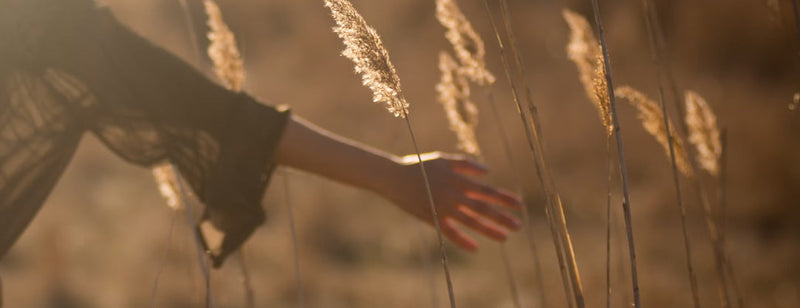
459, 198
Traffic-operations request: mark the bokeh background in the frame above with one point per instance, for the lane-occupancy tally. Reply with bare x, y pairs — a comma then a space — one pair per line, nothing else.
102, 235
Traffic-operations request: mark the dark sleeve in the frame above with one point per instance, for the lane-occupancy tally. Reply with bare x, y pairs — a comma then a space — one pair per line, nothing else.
38, 136
152, 108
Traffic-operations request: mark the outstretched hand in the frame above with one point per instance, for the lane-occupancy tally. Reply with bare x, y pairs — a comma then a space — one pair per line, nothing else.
459, 198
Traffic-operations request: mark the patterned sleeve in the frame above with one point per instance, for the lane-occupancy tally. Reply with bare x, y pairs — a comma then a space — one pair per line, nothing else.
149, 107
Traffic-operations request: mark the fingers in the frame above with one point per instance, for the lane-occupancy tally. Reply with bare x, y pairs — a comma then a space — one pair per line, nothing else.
491, 194
492, 213
457, 236
471, 220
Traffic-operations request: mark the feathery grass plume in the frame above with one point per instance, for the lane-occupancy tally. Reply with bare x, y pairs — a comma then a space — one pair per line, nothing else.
467, 44
703, 132
584, 50
653, 121
222, 50
363, 46
462, 114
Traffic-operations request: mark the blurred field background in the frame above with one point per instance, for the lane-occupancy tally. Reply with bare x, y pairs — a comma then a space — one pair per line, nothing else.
102, 233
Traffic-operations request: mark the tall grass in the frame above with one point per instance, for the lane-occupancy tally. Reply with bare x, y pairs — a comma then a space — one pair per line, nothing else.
530, 119
526, 216
364, 48
455, 95
161, 263
648, 11
293, 232
656, 121
626, 204
556, 204
661, 56
584, 51
700, 124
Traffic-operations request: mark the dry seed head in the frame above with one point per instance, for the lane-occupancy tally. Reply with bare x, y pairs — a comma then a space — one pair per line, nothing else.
584, 50
653, 121
454, 95
468, 45
167, 182
703, 132
601, 100
222, 50
363, 46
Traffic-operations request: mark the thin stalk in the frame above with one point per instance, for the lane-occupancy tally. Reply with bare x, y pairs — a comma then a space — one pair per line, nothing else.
189, 23
796, 10
716, 245
720, 258
549, 209
675, 173
577, 289
510, 275
722, 182
197, 239
435, 214
608, 221
426, 263
512, 283
526, 217
626, 204
723, 209
249, 295
163, 258
293, 232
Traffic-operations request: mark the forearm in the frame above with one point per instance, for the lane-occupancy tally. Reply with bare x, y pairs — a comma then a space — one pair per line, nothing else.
307, 147
459, 199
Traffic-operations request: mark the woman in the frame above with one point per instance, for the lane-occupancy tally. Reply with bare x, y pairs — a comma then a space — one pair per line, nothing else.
68, 67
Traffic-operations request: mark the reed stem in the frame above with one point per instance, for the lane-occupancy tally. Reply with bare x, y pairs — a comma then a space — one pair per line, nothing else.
426, 263
197, 237
712, 227
609, 172
577, 289
189, 24
435, 214
293, 232
249, 295
526, 217
510, 275
163, 260
626, 204
529, 134
723, 213
796, 9
675, 173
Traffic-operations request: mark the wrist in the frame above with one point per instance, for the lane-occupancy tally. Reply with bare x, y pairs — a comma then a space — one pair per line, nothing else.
384, 178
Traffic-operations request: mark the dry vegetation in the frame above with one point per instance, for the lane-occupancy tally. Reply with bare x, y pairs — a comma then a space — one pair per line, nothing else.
99, 242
